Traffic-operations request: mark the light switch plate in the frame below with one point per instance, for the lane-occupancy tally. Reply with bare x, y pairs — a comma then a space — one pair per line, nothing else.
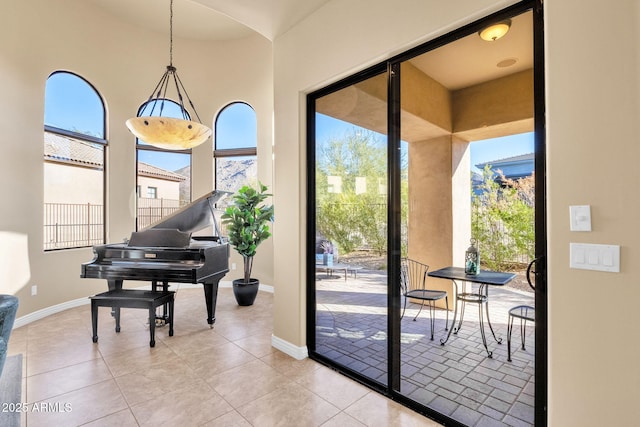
588, 256
580, 218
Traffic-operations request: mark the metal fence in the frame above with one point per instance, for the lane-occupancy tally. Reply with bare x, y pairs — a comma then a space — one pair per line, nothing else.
76, 225
72, 225
151, 210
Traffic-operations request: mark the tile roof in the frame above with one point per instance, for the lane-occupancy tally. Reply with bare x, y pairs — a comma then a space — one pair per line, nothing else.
70, 150
518, 158
64, 149
146, 169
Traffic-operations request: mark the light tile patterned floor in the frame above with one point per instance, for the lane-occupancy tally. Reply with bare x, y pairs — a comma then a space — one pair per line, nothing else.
226, 376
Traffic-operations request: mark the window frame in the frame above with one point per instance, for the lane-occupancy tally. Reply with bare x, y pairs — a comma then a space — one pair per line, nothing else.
88, 138
222, 153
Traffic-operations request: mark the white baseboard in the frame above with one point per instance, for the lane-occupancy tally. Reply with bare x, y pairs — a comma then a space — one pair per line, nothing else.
41, 314
297, 353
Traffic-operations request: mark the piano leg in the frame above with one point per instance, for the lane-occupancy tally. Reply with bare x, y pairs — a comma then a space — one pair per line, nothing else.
115, 311
165, 287
211, 297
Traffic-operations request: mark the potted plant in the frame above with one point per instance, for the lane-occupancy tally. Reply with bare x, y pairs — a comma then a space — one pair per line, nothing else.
327, 252
247, 221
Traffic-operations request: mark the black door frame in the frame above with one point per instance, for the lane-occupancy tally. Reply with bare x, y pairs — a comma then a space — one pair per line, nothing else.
392, 68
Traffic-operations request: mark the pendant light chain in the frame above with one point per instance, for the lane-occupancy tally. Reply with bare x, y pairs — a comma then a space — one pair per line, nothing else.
167, 132
171, 33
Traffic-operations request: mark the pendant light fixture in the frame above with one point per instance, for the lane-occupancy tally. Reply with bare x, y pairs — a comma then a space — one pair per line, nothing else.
169, 132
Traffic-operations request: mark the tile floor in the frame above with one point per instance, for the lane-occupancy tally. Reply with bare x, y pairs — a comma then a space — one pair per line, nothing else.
226, 376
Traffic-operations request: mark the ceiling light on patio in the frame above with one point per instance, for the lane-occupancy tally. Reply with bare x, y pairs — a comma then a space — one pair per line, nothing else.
169, 132
495, 31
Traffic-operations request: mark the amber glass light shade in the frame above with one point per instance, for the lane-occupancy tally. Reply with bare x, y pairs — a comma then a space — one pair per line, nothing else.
168, 132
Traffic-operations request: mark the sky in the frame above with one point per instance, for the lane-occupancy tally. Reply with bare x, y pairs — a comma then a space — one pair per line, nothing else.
72, 104
500, 148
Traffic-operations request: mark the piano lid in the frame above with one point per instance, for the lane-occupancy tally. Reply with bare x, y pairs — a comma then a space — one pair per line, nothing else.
193, 217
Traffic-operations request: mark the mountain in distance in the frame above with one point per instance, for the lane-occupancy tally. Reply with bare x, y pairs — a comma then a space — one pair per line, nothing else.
231, 175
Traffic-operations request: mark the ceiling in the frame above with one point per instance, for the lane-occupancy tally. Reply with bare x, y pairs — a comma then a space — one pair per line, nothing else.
459, 64
214, 19
471, 60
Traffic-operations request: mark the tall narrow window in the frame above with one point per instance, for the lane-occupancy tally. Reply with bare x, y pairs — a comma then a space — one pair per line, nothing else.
235, 147
74, 163
164, 176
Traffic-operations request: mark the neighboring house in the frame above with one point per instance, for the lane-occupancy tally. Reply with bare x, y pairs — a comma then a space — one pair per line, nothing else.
512, 167
60, 152
158, 183
515, 167
73, 197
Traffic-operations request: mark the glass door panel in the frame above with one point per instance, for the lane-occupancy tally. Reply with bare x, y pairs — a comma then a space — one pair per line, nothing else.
467, 166
351, 228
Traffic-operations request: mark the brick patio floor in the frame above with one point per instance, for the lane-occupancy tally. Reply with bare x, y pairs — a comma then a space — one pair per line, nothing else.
456, 379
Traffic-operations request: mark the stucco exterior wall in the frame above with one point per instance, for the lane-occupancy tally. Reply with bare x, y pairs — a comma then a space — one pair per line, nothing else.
164, 189
68, 184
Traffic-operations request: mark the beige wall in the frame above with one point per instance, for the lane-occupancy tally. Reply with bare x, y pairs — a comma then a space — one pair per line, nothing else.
592, 109
592, 129
124, 63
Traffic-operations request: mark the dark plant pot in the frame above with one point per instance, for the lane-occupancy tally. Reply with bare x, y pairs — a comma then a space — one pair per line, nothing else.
245, 293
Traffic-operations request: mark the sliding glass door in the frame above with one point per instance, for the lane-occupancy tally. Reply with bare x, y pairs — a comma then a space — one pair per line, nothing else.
397, 177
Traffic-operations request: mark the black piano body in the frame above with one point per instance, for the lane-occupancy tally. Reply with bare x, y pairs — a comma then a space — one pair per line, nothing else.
166, 252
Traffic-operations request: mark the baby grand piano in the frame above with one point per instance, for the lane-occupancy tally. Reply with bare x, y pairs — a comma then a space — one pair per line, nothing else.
167, 252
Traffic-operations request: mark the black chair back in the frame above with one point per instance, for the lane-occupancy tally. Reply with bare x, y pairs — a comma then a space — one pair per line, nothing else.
413, 275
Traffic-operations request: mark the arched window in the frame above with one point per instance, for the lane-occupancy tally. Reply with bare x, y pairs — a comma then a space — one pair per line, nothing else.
74, 163
163, 176
235, 147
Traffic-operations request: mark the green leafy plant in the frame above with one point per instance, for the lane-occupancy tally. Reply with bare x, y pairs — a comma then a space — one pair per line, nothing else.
247, 222
351, 191
503, 219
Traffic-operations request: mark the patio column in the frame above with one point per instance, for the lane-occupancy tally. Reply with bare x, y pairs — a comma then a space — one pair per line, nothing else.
460, 199
439, 224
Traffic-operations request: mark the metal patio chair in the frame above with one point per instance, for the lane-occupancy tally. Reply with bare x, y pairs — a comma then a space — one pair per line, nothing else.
526, 313
413, 279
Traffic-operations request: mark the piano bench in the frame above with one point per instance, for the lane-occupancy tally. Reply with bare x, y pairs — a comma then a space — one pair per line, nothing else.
132, 298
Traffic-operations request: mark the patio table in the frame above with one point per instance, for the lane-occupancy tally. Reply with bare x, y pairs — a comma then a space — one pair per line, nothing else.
485, 279
348, 268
